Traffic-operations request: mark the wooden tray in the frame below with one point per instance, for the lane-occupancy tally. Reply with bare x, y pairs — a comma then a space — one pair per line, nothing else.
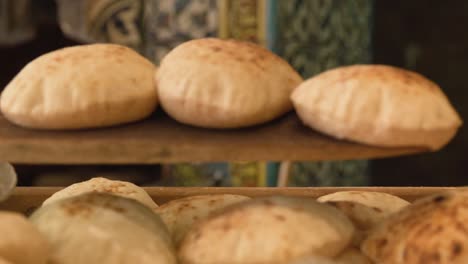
25, 199
162, 140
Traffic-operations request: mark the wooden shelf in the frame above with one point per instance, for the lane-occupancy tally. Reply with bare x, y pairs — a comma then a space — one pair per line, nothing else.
160, 139
25, 199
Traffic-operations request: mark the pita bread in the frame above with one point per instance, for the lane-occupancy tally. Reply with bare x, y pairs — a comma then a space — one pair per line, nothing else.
179, 215
432, 230
103, 185
267, 230
104, 228
20, 241
377, 105
81, 87
218, 83
365, 209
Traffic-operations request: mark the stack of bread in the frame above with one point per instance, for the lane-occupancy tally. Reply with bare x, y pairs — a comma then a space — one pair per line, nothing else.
225, 84
104, 221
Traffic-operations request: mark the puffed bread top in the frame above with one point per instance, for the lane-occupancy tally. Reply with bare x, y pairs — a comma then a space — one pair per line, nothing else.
378, 105
81, 87
218, 83
432, 230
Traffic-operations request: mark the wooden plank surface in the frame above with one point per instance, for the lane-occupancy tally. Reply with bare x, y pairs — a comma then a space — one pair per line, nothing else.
160, 139
26, 199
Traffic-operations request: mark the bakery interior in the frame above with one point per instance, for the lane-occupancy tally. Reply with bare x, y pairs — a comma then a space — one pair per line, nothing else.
430, 43
426, 37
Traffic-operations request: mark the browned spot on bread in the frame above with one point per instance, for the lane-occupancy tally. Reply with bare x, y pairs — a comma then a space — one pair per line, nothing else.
377, 209
381, 243
405, 254
226, 226
228, 51
58, 59
118, 209
280, 218
461, 227
77, 208
439, 199
457, 248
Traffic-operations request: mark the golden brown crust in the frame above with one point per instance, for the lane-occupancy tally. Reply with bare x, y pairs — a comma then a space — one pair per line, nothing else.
181, 214
267, 230
225, 84
103, 185
378, 105
433, 230
81, 87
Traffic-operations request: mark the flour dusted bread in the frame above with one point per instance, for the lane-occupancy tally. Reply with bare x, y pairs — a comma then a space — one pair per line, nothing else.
365, 209
432, 230
218, 83
81, 87
179, 215
267, 230
105, 229
378, 105
103, 185
20, 241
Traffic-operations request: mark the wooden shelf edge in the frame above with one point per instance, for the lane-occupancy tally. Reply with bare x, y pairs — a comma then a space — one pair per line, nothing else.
162, 140
25, 199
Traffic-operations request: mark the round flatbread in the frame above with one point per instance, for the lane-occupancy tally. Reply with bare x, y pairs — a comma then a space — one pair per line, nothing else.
225, 84
104, 228
365, 209
81, 87
103, 185
377, 105
431, 230
20, 241
180, 214
267, 230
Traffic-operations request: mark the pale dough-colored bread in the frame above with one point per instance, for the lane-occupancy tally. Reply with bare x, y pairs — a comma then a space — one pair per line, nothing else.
378, 105
103, 185
267, 230
20, 241
81, 87
179, 215
225, 84
105, 229
432, 230
365, 209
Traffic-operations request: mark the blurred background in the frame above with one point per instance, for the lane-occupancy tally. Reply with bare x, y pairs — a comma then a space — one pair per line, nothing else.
426, 36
